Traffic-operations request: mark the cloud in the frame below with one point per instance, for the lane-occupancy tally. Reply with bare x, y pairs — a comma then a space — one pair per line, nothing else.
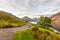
43, 1
30, 7
27, 3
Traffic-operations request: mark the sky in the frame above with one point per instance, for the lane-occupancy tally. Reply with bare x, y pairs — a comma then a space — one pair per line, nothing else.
31, 8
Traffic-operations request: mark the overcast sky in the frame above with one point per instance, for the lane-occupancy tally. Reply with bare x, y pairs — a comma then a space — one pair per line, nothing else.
31, 8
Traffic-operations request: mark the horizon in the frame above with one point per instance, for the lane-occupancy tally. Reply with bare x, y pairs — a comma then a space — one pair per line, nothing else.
30, 8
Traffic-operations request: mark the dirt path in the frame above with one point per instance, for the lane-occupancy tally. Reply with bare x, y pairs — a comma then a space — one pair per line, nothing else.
7, 33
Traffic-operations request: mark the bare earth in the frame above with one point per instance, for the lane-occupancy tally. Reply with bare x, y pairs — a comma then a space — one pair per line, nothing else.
7, 33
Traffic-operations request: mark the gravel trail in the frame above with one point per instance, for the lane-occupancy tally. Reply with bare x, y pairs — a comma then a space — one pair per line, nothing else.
7, 33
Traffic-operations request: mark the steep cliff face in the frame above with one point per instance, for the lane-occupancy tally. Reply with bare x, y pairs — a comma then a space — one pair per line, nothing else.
56, 21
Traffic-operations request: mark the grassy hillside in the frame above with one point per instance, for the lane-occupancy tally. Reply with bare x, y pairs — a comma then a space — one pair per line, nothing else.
23, 35
36, 34
9, 20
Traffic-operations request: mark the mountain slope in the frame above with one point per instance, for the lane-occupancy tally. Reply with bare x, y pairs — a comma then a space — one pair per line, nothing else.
56, 21
9, 20
26, 18
6, 14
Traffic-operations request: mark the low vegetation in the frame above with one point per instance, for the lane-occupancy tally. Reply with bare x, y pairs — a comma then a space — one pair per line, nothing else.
23, 35
36, 34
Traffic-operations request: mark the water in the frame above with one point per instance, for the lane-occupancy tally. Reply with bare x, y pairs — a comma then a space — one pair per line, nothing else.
33, 22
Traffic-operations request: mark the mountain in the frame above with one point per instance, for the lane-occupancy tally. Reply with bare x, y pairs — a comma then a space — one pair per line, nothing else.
35, 19
56, 21
30, 19
26, 18
8, 14
10, 20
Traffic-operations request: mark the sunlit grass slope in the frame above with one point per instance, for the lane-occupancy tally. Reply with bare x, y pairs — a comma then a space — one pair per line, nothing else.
8, 20
36, 34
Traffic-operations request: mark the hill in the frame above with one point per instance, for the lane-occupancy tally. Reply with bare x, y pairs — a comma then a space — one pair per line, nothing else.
36, 34
9, 20
56, 21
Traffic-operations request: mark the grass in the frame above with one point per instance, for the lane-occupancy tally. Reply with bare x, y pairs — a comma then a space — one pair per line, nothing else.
36, 34
23, 35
